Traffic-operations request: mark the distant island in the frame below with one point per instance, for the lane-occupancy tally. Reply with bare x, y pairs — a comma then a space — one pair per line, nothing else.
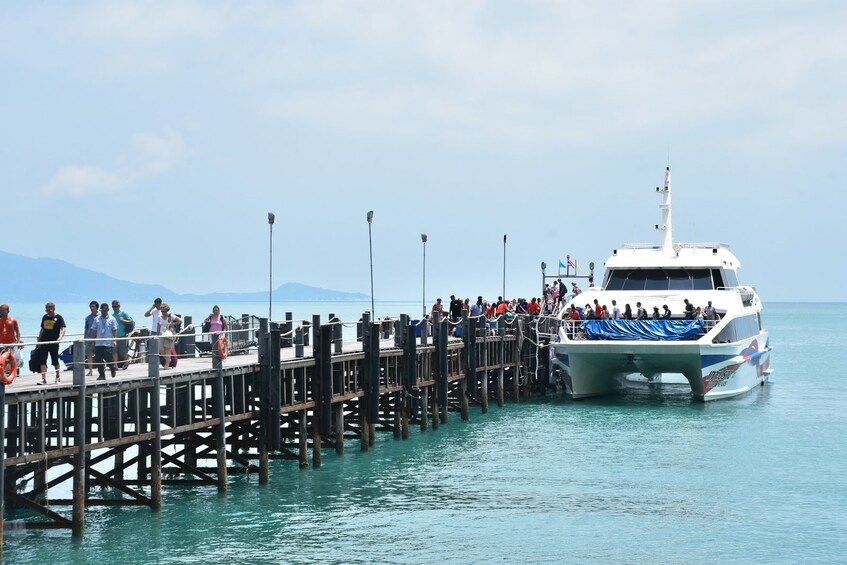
35, 280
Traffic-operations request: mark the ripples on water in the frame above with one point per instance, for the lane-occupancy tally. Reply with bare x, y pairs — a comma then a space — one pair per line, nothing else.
648, 476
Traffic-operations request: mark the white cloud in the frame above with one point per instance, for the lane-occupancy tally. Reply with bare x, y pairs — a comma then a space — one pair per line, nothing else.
150, 154
82, 180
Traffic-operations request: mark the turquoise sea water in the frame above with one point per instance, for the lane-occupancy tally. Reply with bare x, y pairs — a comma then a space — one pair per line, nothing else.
649, 476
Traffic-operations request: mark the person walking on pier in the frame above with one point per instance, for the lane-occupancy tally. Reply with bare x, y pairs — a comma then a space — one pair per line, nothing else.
52, 330
124, 322
437, 307
216, 324
167, 347
89, 324
105, 332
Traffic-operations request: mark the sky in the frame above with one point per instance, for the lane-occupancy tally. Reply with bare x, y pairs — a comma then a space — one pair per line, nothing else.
149, 140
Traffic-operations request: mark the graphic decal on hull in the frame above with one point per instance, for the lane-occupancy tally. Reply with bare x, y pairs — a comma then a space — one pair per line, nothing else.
749, 354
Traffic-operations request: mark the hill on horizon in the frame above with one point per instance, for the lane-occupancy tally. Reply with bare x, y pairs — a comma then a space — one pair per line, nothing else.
41, 279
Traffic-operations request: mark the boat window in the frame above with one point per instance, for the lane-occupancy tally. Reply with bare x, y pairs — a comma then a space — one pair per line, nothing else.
635, 280
679, 280
739, 328
616, 279
702, 279
657, 279
730, 277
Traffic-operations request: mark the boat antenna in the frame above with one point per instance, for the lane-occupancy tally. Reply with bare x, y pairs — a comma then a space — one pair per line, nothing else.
666, 225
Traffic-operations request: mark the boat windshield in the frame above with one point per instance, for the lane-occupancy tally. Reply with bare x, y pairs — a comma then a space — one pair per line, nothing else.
662, 279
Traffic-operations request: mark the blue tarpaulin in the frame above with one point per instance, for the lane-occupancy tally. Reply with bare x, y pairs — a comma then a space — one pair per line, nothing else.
641, 330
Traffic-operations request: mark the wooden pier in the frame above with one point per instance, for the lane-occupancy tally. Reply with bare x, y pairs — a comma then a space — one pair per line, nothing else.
206, 418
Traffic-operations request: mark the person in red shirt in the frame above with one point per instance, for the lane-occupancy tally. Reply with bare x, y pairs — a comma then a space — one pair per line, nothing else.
10, 332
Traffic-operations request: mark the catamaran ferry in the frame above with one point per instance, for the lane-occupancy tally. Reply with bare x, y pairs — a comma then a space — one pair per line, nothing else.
724, 353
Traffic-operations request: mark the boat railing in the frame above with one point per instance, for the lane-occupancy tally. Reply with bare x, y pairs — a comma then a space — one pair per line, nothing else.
573, 330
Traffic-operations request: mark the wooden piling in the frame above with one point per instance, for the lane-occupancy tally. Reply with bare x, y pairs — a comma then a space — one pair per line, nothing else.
443, 385
156, 442
339, 428
484, 385
423, 406
302, 451
220, 429
501, 361
274, 388
2, 463
79, 470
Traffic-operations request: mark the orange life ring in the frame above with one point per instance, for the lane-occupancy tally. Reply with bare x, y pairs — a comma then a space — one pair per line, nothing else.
223, 346
9, 363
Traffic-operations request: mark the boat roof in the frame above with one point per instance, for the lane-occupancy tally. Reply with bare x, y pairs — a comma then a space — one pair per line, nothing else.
680, 256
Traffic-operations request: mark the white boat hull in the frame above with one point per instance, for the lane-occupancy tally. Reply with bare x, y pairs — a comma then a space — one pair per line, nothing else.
714, 371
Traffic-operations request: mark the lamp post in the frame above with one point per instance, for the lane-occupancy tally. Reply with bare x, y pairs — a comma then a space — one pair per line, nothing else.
271, 218
504, 266
423, 297
371, 251
543, 279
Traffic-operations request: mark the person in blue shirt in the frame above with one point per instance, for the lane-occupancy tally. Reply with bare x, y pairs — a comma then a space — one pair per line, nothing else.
104, 330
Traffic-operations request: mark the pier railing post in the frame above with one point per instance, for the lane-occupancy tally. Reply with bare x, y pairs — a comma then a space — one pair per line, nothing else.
287, 327
79, 470
298, 342
337, 334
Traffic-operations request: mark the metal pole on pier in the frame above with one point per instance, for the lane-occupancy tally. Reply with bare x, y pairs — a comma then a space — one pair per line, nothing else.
371, 252
504, 266
271, 218
423, 299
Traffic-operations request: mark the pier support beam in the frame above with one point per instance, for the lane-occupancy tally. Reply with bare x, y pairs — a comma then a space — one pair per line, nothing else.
79, 471
339, 428
262, 389
483, 325
423, 407
2, 463
220, 429
501, 358
303, 442
156, 442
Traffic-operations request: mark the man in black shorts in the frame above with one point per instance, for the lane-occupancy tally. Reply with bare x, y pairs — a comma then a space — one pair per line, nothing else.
52, 330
